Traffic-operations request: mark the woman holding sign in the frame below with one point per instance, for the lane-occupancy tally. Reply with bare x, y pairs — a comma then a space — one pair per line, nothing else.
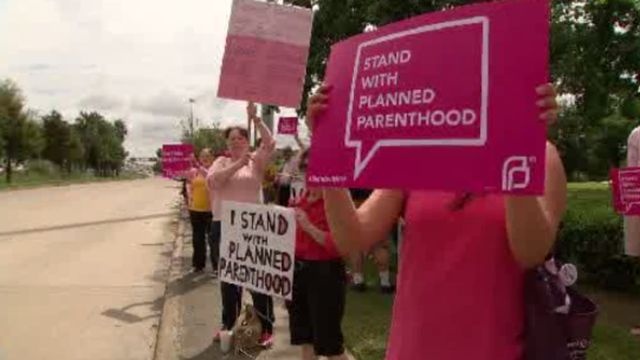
460, 288
239, 178
319, 287
289, 172
200, 212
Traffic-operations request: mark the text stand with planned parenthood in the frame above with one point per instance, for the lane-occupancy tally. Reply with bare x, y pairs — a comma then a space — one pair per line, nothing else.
442, 101
625, 187
288, 125
176, 159
257, 248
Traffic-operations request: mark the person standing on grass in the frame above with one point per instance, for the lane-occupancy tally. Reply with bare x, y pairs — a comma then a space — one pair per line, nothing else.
319, 286
289, 172
239, 178
460, 288
381, 255
199, 206
632, 223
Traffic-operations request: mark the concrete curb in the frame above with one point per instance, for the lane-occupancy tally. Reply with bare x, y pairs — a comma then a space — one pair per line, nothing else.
168, 339
178, 335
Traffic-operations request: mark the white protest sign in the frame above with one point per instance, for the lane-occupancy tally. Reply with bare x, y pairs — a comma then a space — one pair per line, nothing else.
257, 247
297, 189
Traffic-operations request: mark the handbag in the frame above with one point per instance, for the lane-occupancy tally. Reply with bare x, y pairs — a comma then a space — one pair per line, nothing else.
558, 319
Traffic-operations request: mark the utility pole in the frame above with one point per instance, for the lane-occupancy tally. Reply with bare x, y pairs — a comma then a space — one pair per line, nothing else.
191, 127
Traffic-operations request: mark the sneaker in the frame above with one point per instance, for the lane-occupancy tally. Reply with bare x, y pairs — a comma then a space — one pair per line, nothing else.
387, 289
635, 331
214, 274
197, 270
361, 287
266, 340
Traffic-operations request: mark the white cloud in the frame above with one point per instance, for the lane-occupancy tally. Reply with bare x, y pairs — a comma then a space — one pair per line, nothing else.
139, 60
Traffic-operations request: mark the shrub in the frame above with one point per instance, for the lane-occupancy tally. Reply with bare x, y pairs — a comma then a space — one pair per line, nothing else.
43, 168
592, 238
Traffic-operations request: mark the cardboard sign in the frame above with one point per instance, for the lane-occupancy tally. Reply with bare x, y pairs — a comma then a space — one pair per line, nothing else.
625, 187
265, 58
442, 101
176, 159
257, 248
288, 125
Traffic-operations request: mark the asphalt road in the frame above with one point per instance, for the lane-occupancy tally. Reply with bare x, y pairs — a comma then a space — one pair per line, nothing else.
83, 269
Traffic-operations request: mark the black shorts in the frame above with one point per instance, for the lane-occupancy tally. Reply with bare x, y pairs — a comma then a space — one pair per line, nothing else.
317, 308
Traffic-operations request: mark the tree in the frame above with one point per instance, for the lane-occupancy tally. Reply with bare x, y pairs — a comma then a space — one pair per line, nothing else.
102, 142
157, 165
207, 137
595, 52
57, 134
75, 153
21, 135
121, 130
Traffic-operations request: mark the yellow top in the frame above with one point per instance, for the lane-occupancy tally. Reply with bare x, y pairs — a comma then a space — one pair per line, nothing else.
199, 194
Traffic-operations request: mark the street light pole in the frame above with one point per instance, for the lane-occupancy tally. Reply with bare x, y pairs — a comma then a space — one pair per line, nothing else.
191, 129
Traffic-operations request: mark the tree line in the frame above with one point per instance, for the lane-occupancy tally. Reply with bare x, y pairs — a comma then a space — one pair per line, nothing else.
595, 64
90, 142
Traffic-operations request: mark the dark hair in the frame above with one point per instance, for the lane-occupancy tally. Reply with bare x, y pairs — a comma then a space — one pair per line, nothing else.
243, 132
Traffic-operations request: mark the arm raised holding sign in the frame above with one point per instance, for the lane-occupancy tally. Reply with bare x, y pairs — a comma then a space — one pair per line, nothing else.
264, 153
473, 248
532, 222
223, 169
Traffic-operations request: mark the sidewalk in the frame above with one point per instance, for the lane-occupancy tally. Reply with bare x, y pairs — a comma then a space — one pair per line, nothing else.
192, 313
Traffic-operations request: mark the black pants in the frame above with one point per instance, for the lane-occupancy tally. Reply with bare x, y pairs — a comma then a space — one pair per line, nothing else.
232, 303
200, 225
214, 243
284, 193
232, 295
317, 308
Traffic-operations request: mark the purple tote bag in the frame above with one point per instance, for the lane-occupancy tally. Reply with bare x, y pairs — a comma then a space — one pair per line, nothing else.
559, 320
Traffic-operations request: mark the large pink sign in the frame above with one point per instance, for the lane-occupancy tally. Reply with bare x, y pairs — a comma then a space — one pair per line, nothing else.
441, 101
176, 159
288, 125
625, 187
265, 58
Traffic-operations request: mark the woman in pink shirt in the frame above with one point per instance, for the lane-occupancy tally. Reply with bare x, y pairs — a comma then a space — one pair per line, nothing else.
239, 178
460, 282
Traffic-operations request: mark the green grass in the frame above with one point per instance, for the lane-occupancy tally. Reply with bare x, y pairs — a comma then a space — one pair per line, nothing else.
24, 180
582, 186
368, 315
611, 342
366, 324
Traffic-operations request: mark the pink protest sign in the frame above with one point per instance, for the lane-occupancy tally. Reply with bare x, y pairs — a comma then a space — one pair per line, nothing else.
625, 187
265, 57
288, 125
441, 101
176, 159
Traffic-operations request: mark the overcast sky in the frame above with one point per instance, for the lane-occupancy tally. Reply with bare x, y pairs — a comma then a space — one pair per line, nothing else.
139, 60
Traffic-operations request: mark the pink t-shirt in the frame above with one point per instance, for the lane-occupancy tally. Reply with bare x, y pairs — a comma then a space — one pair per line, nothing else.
244, 186
460, 290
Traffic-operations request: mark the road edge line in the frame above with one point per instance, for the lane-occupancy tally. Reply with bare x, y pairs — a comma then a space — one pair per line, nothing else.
167, 345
